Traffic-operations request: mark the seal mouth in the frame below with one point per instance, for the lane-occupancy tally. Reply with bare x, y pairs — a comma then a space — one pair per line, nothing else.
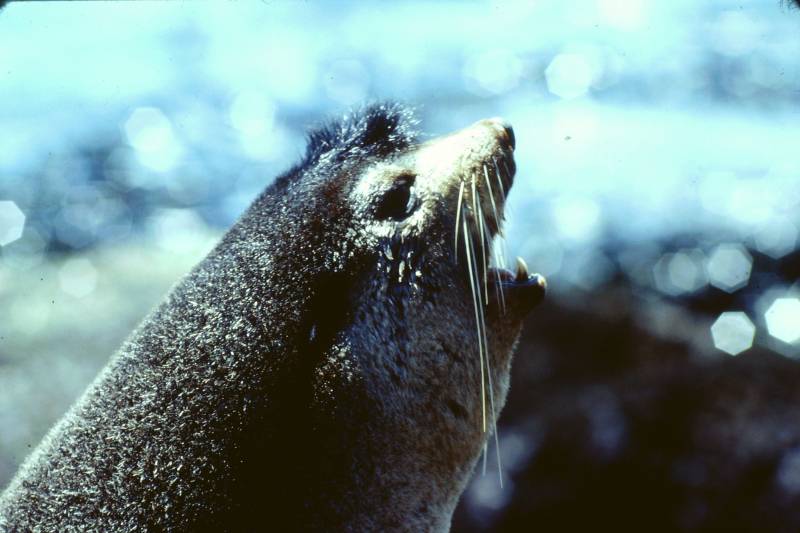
523, 288
481, 210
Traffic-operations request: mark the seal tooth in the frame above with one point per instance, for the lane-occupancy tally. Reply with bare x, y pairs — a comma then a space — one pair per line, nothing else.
522, 270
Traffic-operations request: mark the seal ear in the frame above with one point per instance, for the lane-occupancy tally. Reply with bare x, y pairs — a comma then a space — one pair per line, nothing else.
385, 128
375, 129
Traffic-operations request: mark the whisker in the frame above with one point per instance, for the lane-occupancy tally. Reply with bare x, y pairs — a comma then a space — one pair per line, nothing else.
470, 253
499, 182
491, 397
482, 331
501, 256
501, 252
477, 299
477, 212
481, 322
499, 463
458, 215
482, 225
505, 166
501, 299
485, 453
491, 197
500, 291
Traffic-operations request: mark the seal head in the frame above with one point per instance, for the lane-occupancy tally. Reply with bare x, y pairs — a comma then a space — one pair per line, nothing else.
426, 349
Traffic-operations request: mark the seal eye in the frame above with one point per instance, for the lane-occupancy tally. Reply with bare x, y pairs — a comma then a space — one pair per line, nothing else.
398, 201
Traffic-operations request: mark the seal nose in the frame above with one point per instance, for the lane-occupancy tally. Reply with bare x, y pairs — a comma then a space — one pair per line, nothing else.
505, 130
512, 141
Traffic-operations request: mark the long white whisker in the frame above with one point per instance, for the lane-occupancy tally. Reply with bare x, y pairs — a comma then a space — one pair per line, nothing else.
485, 453
491, 197
500, 291
482, 225
501, 299
500, 253
501, 256
470, 253
499, 182
482, 330
500, 296
458, 216
499, 463
477, 212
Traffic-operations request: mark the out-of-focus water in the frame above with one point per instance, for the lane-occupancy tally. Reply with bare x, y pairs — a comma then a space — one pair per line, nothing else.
657, 142
635, 119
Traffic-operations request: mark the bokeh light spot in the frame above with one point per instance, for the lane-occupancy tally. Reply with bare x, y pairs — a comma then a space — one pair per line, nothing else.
485, 491
494, 71
626, 15
733, 332
569, 75
783, 319
729, 267
26, 252
777, 237
150, 133
12, 221
252, 113
77, 277
576, 218
681, 272
548, 252
181, 231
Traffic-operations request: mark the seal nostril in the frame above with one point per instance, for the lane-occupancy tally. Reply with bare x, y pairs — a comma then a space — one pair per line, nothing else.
512, 141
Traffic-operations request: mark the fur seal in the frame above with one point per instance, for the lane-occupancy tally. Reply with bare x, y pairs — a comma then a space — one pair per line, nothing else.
337, 362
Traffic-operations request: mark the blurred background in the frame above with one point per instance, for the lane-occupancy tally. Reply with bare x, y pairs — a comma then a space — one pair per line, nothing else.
658, 147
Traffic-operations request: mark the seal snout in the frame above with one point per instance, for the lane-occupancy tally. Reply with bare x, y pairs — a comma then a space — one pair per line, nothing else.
507, 142
521, 290
480, 191
492, 141
504, 131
